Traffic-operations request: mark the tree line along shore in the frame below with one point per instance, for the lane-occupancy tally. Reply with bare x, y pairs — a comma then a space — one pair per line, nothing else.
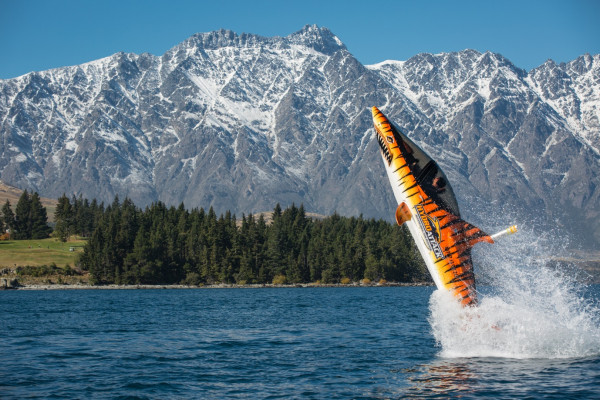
161, 245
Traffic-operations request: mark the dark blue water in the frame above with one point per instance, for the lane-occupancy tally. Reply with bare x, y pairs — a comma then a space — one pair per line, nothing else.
316, 343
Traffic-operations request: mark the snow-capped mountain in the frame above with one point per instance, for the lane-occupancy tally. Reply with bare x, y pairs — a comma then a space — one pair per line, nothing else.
241, 122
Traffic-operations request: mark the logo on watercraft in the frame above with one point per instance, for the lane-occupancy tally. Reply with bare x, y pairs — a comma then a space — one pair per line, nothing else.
431, 229
390, 139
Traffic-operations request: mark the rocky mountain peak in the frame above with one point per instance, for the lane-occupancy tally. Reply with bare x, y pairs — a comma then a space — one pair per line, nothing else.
320, 39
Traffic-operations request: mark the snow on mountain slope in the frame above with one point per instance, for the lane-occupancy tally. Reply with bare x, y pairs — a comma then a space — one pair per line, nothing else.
572, 90
241, 122
525, 137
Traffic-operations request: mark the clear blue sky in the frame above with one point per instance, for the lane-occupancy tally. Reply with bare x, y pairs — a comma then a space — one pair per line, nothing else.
38, 35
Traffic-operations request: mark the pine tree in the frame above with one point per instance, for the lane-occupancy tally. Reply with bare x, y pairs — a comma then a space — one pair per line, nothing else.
84, 218
8, 218
39, 218
31, 220
63, 216
22, 217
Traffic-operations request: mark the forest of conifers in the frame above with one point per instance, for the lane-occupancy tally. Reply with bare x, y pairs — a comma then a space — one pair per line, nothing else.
169, 245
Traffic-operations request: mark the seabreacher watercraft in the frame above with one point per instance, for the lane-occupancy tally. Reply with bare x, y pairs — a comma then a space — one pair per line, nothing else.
427, 205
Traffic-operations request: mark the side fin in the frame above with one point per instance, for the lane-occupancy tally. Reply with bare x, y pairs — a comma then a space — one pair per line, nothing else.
476, 235
402, 213
468, 235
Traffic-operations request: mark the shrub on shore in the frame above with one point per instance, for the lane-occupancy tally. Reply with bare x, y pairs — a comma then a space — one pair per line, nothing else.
45, 270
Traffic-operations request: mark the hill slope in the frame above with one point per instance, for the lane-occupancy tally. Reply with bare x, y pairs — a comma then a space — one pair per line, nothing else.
13, 194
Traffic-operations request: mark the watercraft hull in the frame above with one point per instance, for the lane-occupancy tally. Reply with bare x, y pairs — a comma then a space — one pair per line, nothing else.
428, 207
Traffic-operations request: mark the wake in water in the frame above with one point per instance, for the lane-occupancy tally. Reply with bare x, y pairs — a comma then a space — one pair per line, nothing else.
530, 310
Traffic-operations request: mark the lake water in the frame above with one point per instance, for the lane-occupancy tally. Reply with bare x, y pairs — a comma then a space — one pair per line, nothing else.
316, 343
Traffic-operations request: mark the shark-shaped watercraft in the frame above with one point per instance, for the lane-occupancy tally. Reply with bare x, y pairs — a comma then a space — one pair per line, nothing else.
427, 205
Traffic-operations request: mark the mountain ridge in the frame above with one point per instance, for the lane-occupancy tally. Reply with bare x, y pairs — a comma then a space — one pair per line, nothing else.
241, 122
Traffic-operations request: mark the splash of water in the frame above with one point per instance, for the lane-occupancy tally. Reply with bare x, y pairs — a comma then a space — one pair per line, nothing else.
530, 310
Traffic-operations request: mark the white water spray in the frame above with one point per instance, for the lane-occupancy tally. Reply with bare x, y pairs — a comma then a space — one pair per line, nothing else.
530, 310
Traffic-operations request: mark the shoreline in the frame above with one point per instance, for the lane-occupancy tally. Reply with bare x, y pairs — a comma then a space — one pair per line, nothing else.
217, 286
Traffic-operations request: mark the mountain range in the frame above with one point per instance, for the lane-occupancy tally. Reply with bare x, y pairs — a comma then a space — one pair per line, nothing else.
240, 122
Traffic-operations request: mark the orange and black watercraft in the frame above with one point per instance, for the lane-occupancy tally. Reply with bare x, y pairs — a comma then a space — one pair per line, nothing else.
427, 205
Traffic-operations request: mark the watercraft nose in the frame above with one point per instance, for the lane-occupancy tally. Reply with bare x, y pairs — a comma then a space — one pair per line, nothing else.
375, 111
378, 118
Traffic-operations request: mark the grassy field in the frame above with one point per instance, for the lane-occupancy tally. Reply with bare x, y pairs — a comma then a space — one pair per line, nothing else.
15, 253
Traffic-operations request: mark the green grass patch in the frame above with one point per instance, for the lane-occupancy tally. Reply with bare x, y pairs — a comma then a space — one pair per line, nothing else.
19, 253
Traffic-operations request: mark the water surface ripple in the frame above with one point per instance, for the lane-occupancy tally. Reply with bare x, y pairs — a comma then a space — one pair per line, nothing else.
316, 343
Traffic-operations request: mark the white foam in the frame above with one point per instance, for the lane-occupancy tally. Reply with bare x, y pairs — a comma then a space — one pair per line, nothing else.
530, 311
